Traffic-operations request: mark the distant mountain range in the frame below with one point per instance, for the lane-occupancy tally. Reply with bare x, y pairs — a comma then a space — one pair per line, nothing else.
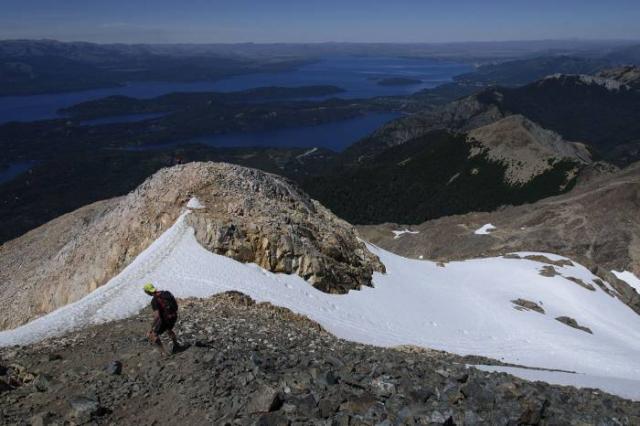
41, 66
44, 66
426, 165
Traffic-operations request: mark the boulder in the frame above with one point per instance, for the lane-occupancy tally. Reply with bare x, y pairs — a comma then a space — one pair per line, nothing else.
114, 368
265, 400
83, 409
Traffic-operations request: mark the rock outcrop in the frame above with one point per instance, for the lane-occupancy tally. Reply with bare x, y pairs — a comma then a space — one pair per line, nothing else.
256, 364
249, 215
255, 217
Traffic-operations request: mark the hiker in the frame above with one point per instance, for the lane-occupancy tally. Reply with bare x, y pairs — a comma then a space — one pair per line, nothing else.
165, 309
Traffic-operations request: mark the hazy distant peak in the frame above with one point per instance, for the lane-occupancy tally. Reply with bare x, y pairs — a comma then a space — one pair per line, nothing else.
628, 75
607, 83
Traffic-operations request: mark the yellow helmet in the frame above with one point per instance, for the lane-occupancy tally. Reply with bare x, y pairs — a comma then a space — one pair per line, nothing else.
149, 288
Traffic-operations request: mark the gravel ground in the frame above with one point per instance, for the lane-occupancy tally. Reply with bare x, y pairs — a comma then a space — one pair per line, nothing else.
256, 364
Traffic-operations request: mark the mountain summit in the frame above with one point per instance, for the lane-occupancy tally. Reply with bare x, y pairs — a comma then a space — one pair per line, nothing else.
241, 213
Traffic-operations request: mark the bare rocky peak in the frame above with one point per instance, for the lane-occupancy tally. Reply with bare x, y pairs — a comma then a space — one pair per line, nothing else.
628, 75
524, 147
248, 215
596, 224
606, 82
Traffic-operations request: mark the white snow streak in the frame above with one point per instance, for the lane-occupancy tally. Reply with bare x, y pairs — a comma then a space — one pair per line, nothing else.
464, 308
484, 229
399, 233
306, 153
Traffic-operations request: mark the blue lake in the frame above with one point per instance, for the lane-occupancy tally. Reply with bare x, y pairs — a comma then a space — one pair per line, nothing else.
357, 75
131, 118
335, 136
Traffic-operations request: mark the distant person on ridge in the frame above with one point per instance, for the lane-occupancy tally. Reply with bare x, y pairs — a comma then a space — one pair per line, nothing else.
165, 310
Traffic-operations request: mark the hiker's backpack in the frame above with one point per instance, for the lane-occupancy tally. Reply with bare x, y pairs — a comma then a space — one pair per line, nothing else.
168, 304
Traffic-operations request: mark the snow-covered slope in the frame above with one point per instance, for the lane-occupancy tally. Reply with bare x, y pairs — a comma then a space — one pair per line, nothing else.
462, 307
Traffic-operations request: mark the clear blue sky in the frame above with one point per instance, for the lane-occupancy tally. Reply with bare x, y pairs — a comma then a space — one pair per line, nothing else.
318, 20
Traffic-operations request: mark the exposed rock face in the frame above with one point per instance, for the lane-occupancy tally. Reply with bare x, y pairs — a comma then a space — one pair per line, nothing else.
525, 148
597, 224
250, 215
573, 323
600, 80
255, 217
596, 170
251, 364
628, 75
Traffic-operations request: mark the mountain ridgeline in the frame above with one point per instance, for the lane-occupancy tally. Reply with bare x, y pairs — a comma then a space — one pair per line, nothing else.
432, 176
502, 146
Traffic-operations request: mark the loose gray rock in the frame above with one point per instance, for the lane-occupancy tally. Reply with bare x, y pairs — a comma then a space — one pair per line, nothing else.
83, 409
265, 400
527, 305
42, 419
574, 324
42, 383
272, 366
114, 368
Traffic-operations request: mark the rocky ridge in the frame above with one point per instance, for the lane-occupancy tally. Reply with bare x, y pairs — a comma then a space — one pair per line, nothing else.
248, 215
461, 116
628, 75
600, 80
255, 364
526, 148
600, 110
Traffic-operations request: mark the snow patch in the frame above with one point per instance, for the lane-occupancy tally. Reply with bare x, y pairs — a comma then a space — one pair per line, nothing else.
195, 204
629, 278
551, 256
398, 234
484, 229
467, 304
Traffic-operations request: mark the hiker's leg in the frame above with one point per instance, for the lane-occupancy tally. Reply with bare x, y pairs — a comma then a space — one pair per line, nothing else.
173, 337
159, 344
154, 335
